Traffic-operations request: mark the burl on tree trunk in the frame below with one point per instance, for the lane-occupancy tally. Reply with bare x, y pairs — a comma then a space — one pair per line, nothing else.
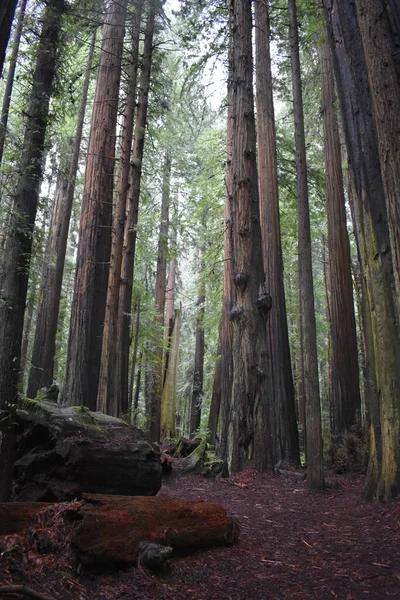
110, 529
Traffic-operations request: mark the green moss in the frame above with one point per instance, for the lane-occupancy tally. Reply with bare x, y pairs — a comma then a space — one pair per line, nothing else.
84, 417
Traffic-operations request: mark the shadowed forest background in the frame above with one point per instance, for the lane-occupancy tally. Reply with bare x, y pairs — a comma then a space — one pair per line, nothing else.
199, 226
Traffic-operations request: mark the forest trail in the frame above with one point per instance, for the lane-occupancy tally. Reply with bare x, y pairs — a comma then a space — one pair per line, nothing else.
293, 545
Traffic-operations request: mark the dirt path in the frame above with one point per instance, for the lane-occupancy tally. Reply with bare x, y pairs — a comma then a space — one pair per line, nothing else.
292, 545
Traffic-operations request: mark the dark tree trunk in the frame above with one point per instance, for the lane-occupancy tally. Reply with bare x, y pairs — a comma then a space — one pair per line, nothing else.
161, 283
29, 310
90, 289
134, 354
384, 80
172, 320
107, 401
344, 388
372, 232
10, 76
44, 346
198, 374
7, 10
225, 336
122, 338
281, 390
248, 429
315, 470
137, 388
17, 252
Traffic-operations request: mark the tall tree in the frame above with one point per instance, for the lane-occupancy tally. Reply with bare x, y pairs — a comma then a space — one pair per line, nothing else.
281, 385
315, 469
44, 345
15, 268
225, 331
384, 80
170, 363
10, 76
248, 432
90, 289
344, 382
198, 373
107, 399
7, 10
122, 340
156, 384
371, 226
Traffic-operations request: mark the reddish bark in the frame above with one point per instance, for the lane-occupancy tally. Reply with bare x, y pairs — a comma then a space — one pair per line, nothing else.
90, 289
122, 339
113, 526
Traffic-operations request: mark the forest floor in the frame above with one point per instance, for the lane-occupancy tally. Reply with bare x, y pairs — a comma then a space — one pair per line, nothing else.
293, 544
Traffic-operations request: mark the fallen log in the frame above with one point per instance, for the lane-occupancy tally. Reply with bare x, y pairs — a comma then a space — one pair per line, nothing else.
112, 529
63, 451
18, 516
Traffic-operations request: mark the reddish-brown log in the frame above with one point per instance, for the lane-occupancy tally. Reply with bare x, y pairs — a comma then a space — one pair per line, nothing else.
113, 526
17, 516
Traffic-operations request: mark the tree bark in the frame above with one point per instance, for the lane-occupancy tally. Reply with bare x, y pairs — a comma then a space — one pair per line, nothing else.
107, 401
384, 82
374, 245
7, 10
172, 320
122, 339
15, 267
156, 384
134, 354
111, 528
90, 289
44, 345
281, 390
198, 374
10, 76
248, 430
315, 469
344, 385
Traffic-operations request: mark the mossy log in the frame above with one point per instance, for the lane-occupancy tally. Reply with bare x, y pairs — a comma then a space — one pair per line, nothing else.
65, 451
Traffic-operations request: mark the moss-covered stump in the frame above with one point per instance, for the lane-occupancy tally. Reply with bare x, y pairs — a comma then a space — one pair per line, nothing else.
65, 451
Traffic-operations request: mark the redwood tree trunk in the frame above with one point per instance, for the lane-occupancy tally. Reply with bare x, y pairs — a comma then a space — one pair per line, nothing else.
344, 388
106, 401
17, 251
225, 335
7, 10
374, 244
281, 390
384, 80
249, 431
122, 339
134, 354
198, 374
156, 385
172, 320
90, 289
10, 76
315, 470
44, 345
